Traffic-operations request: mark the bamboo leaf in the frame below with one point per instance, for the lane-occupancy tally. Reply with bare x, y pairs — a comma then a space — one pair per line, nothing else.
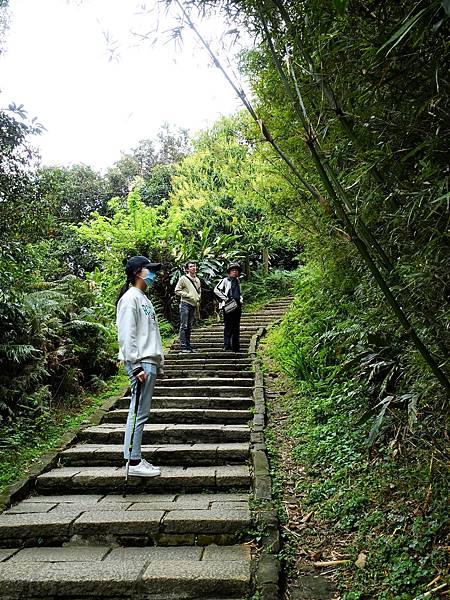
366, 416
402, 31
412, 411
375, 429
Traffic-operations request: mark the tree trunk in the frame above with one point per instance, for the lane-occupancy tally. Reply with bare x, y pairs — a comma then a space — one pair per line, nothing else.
265, 257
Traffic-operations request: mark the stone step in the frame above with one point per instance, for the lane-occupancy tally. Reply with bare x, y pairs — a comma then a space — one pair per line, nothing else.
137, 573
260, 320
216, 334
223, 391
209, 346
204, 382
184, 415
91, 480
217, 354
168, 433
177, 372
262, 314
164, 454
119, 520
190, 360
210, 402
248, 328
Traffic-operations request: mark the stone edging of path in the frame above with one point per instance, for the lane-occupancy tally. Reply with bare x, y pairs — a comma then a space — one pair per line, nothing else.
20, 489
267, 571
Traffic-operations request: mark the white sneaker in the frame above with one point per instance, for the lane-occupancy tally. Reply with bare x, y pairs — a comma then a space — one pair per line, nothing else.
143, 469
149, 465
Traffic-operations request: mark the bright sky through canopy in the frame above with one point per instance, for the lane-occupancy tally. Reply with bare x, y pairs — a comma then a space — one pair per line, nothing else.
57, 62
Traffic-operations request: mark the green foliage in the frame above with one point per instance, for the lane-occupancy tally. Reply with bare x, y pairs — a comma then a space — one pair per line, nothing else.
223, 184
150, 164
388, 501
211, 216
30, 436
57, 347
73, 192
262, 287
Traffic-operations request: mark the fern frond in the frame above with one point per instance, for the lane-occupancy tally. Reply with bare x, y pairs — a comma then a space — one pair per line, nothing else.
46, 302
18, 353
79, 324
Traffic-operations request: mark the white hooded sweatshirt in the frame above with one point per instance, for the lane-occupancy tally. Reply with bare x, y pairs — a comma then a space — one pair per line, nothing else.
139, 337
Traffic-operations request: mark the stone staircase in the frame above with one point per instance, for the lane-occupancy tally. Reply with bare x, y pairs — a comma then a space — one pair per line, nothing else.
181, 535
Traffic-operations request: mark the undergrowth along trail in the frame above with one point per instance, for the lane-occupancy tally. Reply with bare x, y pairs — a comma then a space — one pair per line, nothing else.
362, 492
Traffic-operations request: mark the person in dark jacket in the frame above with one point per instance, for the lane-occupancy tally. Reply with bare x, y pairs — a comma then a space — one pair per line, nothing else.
228, 290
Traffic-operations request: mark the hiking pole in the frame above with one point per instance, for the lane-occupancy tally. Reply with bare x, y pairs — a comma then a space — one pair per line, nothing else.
136, 406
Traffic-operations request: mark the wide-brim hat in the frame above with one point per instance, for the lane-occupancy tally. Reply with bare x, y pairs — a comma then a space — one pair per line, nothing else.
234, 266
136, 263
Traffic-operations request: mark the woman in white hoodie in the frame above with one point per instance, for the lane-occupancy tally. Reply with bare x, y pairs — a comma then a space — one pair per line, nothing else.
140, 349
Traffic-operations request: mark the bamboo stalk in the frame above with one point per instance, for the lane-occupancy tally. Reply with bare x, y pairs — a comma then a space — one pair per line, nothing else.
300, 110
340, 211
345, 219
242, 96
325, 87
431, 592
330, 563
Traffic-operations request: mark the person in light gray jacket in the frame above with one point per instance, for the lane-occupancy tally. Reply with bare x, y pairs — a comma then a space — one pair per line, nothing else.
140, 349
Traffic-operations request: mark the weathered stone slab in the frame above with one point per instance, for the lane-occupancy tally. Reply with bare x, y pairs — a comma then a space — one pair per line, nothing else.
61, 473
118, 499
268, 570
233, 476
192, 505
263, 487
93, 476
118, 523
21, 526
30, 507
156, 433
201, 476
155, 554
205, 521
151, 506
260, 462
6, 553
99, 433
96, 507
229, 505
189, 579
110, 479
88, 448
67, 498
205, 382
217, 497
64, 554
193, 501
233, 451
79, 579
227, 553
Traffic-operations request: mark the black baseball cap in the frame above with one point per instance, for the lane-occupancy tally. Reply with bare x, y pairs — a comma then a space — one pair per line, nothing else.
136, 263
